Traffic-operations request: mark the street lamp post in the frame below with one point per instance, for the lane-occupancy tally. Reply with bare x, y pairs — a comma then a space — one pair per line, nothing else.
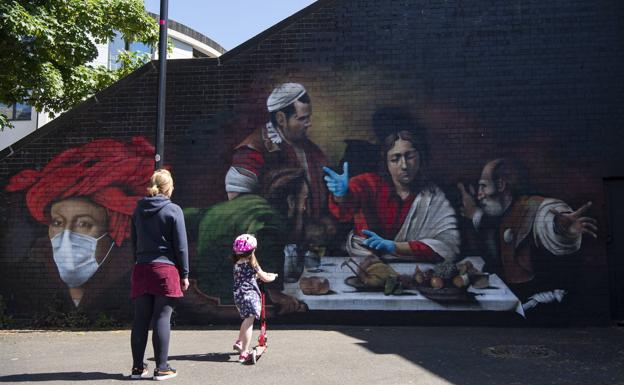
162, 85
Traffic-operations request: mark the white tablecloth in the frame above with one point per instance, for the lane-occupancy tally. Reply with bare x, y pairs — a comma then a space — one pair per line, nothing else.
497, 297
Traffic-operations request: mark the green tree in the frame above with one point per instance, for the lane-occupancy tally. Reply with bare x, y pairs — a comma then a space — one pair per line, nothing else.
46, 46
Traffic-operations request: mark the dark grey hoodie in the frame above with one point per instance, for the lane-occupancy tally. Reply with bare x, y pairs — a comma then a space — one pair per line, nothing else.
159, 233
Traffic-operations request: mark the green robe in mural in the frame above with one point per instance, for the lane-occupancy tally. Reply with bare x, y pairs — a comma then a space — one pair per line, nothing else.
214, 230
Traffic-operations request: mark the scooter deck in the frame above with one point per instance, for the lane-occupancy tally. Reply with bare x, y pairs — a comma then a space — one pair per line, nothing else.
260, 350
256, 353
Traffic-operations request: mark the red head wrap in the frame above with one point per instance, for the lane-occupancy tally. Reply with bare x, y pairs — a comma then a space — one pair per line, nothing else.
108, 172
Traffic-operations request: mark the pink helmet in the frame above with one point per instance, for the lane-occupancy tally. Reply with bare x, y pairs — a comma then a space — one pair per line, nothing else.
244, 243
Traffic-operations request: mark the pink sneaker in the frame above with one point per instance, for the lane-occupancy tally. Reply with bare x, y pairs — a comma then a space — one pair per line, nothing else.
238, 346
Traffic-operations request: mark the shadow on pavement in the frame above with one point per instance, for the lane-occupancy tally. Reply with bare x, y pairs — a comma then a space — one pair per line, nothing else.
207, 357
63, 376
495, 356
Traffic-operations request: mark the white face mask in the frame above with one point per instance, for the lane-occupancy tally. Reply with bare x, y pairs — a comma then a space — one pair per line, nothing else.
74, 255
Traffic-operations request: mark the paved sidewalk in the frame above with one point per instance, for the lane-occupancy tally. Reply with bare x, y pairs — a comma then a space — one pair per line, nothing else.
339, 355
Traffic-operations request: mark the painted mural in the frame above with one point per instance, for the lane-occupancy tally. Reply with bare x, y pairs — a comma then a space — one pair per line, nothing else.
373, 231
82, 202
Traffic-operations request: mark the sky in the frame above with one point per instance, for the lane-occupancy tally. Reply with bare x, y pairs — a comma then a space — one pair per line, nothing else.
229, 22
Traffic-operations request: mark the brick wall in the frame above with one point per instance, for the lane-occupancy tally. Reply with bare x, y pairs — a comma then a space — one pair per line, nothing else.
536, 81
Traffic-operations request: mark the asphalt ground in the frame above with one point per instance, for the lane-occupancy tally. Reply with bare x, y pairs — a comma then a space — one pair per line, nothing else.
340, 355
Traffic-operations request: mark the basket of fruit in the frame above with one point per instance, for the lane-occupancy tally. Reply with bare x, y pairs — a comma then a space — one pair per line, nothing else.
448, 282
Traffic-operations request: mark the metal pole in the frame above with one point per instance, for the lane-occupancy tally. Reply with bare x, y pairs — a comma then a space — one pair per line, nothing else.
162, 83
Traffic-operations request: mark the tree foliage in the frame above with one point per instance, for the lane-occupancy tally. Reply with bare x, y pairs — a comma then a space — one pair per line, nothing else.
47, 46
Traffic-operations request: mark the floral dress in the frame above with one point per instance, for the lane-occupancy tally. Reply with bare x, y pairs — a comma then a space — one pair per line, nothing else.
246, 290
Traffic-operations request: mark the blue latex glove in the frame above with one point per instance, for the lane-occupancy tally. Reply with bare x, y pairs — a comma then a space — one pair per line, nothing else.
376, 242
337, 184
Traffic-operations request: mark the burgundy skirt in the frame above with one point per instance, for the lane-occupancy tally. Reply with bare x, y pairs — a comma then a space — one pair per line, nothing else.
155, 279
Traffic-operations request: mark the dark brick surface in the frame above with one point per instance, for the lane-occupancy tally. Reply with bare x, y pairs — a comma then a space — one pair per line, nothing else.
540, 81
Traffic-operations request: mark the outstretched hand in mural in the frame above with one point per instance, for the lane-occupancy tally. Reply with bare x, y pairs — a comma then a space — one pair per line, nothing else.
523, 230
337, 184
468, 201
573, 224
398, 209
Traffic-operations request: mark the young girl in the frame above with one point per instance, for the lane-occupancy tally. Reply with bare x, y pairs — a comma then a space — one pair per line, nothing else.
246, 291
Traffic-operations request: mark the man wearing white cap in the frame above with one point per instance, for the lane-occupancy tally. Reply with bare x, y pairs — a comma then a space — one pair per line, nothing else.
282, 142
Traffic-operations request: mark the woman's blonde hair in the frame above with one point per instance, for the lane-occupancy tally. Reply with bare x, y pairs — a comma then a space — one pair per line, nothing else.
161, 182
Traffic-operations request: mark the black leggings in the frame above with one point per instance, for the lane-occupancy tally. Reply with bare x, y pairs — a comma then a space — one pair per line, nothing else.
157, 310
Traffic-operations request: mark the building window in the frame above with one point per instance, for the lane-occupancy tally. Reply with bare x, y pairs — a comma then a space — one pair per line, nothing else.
116, 45
119, 44
18, 111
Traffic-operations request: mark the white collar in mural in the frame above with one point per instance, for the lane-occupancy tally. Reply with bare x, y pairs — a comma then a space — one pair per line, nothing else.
273, 133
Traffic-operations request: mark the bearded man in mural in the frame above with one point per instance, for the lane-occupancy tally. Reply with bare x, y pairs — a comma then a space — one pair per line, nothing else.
523, 232
399, 211
85, 196
276, 218
282, 142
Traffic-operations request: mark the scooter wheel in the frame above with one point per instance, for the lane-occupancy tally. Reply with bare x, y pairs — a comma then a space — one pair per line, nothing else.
254, 356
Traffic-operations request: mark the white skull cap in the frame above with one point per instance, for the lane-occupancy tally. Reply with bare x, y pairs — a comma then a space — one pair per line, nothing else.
284, 95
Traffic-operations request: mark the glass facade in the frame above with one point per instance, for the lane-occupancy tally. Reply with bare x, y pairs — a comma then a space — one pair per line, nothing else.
18, 111
119, 44
182, 46
6, 110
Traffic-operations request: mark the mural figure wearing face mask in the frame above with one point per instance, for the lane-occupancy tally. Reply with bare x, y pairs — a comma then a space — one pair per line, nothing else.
74, 255
79, 240
85, 196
